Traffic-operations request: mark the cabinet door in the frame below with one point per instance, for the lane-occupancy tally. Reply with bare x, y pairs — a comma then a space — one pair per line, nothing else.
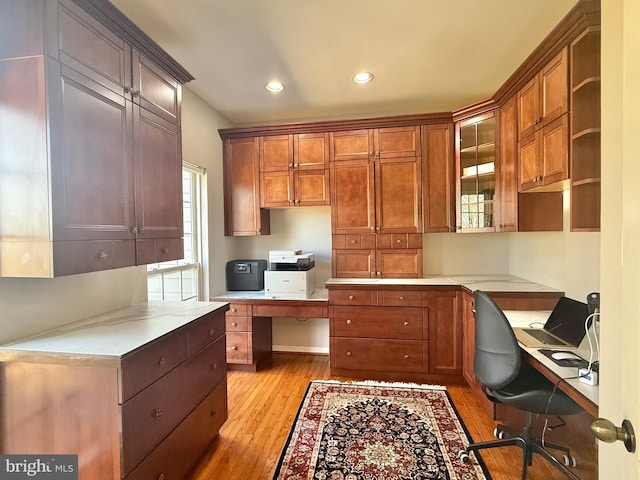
554, 151
528, 108
92, 174
507, 188
445, 333
311, 151
398, 195
468, 338
353, 263
397, 142
399, 263
158, 175
243, 215
352, 196
276, 153
311, 187
528, 170
352, 144
276, 189
438, 184
554, 88
154, 89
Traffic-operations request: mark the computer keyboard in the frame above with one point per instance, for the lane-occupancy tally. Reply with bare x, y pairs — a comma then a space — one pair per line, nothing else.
543, 336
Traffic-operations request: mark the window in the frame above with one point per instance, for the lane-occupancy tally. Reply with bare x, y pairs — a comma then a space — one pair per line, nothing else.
182, 279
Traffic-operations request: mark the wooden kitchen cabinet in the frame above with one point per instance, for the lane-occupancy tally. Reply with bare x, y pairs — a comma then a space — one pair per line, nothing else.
242, 213
294, 170
108, 186
543, 125
445, 331
248, 337
507, 169
146, 406
438, 178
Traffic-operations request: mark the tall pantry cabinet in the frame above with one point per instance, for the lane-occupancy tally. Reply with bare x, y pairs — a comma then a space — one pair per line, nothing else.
90, 145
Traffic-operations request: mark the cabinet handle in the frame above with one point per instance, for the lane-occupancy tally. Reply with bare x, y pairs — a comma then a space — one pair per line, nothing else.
213, 366
350, 297
134, 229
373, 229
234, 347
157, 412
234, 309
165, 250
127, 89
401, 297
213, 413
348, 354
405, 323
211, 332
102, 255
348, 321
161, 476
406, 356
291, 165
135, 93
162, 362
353, 242
234, 324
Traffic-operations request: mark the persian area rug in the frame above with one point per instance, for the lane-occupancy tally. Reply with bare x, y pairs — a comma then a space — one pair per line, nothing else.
376, 431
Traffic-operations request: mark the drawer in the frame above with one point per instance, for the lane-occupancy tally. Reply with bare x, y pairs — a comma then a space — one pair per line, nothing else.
149, 416
239, 348
317, 309
188, 441
144, 366
377, 322
205, 330
378, 355
400, 298
239, 309
352, 297
159, 250
366, 241
238, 324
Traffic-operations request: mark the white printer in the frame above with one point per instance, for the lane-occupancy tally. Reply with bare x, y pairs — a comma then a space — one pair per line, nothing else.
291, 275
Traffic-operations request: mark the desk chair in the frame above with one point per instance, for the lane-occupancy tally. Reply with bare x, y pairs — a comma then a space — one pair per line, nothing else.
506, 379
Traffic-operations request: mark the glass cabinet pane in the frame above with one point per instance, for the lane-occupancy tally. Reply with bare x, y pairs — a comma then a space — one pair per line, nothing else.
476, 173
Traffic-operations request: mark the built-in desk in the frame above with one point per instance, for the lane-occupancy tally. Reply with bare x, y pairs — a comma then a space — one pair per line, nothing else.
248, 323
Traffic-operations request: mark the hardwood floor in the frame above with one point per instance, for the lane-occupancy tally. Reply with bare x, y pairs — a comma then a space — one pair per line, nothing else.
263, 405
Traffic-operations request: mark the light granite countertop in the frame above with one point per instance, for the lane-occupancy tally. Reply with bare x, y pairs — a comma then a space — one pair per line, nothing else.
115, 333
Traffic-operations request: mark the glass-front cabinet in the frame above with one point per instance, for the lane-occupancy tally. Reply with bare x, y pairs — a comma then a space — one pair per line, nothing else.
476, 173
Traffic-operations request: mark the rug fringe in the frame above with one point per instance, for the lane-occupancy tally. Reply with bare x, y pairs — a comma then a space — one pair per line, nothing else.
374, 383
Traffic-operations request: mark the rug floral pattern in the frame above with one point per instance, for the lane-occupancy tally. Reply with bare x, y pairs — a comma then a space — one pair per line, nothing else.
372, 431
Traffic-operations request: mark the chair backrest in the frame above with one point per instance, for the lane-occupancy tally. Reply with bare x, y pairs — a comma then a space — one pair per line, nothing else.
497, 355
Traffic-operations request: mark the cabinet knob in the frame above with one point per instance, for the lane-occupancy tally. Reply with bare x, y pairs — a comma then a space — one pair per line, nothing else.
401, 297
162, 362
350, 297
353, 242
234, 310
165, 250
211, 332
405, 323
373, 229
102, 255
348, 354
291, 165
140, 229
161, 476
398, 241
234, 324
348, 321
213, 413
213, 366
406, 356
234, 347
134, 229
157, 412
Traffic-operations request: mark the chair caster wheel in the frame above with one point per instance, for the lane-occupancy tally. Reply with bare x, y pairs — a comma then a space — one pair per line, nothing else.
464, 456
498, 433
569, 461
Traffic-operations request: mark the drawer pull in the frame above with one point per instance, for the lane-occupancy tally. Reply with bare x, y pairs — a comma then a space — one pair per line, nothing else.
234, 324
162, 362
234, 347
234, 310
157, 412
348, 321
213, 366
406, 356
161, 476
348, 354
350, 297
398, 241
165, 250
213, 413
405, 323
353, 242
401, 297
211, 332
102, 255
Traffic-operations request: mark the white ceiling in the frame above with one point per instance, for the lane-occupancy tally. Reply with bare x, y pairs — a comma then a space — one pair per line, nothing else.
426, 55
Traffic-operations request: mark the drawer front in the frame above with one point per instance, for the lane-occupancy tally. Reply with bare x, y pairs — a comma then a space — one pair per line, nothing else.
187, 442
317, 310
159, 250
238, 348
238, 324
205, 330
379, 355
149, 416
377, 322
400, 298
239, 309
144, 366
352, 297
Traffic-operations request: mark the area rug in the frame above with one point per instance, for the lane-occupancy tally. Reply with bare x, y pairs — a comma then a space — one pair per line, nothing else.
376, 431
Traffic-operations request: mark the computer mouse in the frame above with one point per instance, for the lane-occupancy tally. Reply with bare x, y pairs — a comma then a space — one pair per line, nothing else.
564, 356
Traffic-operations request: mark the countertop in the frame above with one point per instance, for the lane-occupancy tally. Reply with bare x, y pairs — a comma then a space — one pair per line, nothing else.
320, 294
487, 283
115, 333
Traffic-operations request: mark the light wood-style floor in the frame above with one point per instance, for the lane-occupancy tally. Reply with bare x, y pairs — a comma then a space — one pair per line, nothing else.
263, 405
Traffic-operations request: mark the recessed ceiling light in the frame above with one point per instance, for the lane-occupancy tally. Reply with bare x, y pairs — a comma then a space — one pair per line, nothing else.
274, 86
363, 77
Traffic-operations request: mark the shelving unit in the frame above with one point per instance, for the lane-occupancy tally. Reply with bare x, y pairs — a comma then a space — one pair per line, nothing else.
476, 153
585, 131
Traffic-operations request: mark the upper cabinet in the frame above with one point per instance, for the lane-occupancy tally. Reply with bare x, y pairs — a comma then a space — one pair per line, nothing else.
507, 169
294, 170
585, 131
376, 181
92, 165
438, 182
476, 173
543, 126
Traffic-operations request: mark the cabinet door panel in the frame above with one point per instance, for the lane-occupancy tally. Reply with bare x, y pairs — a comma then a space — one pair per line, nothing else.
276, 188
555, 151
438, 186
377, 354
276, 153
91, 173
155, 90
311, 150
507, 187
445, 332
158, 164
554, 85
352, 191
398, 206
377, 322
528, 163
312, 187
353, 263
399, 263
398, 142
528, 108
352, 144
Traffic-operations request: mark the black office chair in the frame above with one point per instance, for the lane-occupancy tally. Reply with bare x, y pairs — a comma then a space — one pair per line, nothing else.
506, 379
